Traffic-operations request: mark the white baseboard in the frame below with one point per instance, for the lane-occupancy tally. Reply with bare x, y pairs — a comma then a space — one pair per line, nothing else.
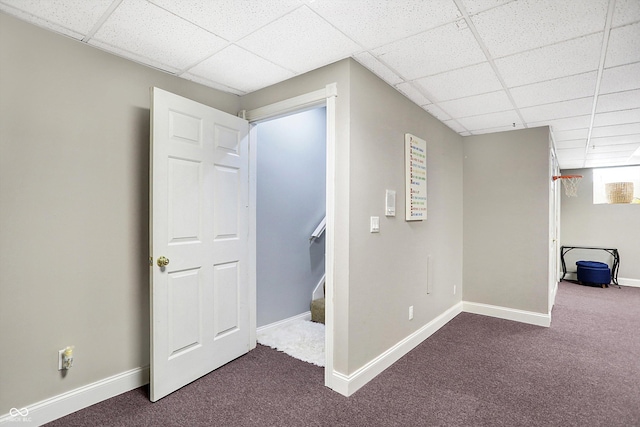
349, 384
302, 316
635, 283
66, 403
530, 317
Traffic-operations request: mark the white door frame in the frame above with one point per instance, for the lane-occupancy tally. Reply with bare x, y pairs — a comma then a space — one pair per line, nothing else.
327, 97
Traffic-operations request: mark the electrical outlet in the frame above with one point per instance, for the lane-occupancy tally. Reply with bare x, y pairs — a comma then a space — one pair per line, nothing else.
454, 289
65, 358
410, 312
60, 356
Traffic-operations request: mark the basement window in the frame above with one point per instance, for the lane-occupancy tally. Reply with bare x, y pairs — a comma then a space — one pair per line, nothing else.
616, 185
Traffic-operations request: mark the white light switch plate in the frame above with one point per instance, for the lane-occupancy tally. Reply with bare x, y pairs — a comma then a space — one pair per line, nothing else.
375, 224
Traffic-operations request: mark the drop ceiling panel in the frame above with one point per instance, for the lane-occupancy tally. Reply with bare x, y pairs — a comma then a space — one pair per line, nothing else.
473, 80
146, 32
442, 49
476, 6
479, 104
412, 93
628, 129
240, 69
567, 135
550, 62
618, 79
613, 150
316, 42
508, 29
572, 108
623, 47
574, 143
570, 123
437, 112
373, 23
455, 126
378, 68
626, 11
606, 162
578, 86
618, 101
229, 19
503, 119
73, 18
616, 140
570, 153
617, 117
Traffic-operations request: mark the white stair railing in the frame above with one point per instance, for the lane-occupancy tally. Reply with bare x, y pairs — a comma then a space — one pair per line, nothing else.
319, 229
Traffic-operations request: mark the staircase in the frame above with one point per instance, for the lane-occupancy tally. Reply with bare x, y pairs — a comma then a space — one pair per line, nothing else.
317, 308
317, 297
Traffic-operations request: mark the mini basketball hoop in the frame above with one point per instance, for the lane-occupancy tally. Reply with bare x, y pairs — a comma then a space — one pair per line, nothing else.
570, 184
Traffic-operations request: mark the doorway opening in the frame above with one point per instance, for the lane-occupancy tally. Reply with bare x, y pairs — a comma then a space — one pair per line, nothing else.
290, 242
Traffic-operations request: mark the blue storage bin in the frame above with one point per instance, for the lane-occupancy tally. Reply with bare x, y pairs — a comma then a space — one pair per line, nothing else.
593, 272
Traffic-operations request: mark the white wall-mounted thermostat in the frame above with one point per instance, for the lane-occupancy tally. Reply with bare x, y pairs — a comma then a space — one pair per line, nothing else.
390, 203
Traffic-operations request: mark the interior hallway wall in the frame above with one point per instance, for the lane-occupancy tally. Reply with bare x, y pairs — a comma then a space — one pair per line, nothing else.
291, 173
506, 219
602, 225
74, 191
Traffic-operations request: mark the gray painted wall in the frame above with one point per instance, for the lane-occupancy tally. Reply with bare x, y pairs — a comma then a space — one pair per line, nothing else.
290, 204
506, 219
74, 172
602, 225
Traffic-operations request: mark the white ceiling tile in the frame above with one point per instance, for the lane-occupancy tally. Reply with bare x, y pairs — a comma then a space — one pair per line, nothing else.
373, 23
212, 84
571, 153
466, 133
436, 112
550, 62
628, 129
73, 18
567, 135
497, 129
570, 164
151, 33
601, 163
626, 11
618, 79
477, 6
573, 143
578, 86
618, 101
300, 41
455, 126
527, 24
569, 123
558, 110
408, 90
490, 121
615, 140
378, 68
444, 48
229, 19
240, 69
462, 82
615, 150
479, 104
623, 47
617, 117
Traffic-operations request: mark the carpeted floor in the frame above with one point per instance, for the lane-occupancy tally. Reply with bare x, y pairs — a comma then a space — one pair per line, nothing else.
475, 371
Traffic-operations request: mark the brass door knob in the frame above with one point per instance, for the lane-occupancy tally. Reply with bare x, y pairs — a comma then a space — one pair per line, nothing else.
163, 261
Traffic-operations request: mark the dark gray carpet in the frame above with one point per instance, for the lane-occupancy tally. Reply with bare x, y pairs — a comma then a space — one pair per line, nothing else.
475, 371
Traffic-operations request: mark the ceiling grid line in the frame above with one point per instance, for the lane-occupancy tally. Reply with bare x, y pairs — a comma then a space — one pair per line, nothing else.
474, 31
100, 22
603, 56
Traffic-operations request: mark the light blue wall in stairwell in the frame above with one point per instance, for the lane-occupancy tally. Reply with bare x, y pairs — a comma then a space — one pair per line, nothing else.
291, 169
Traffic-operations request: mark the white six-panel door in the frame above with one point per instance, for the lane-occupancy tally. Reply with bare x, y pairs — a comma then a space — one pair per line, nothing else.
199, 223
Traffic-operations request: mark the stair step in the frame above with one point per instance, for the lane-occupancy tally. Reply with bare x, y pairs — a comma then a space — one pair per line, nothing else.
317, 310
